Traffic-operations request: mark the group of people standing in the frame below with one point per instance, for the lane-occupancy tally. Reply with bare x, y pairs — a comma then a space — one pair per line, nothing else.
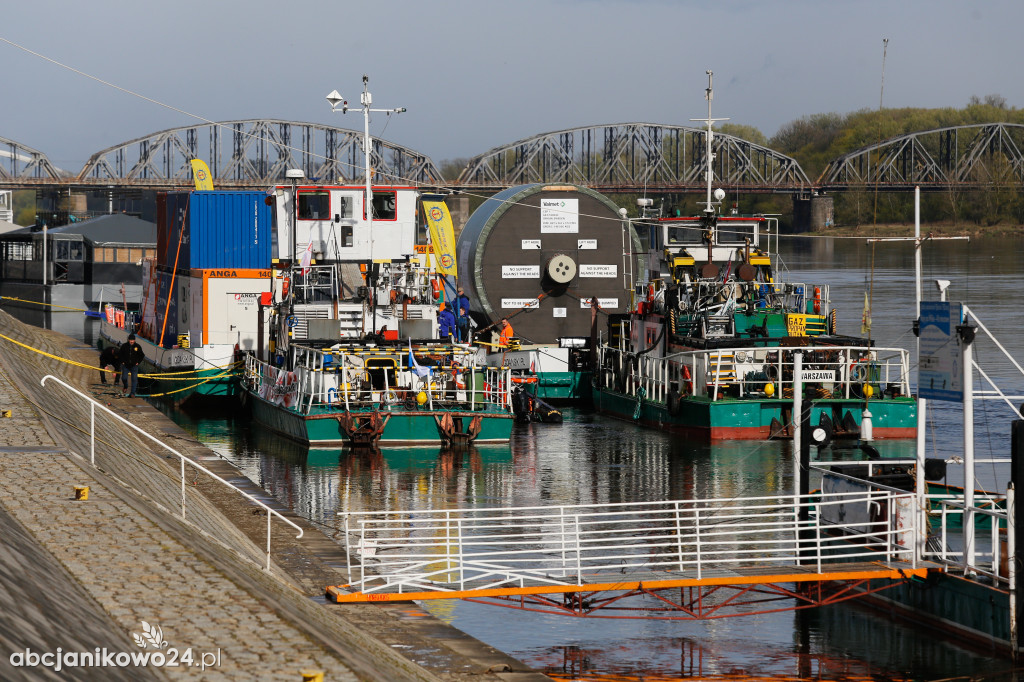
455, 324
125, 359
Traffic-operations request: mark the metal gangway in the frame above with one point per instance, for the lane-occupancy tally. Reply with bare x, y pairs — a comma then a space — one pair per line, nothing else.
704, 559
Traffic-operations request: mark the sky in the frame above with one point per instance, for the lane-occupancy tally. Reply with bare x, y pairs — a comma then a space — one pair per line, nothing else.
479, 75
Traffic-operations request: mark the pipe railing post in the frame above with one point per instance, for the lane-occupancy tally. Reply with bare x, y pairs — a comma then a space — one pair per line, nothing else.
579, 562
92, 433
182, 488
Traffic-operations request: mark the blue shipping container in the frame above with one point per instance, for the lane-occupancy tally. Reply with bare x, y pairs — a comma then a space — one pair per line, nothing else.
217, 230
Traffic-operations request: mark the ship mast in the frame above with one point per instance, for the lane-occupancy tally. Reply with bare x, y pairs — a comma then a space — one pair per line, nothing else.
709, 209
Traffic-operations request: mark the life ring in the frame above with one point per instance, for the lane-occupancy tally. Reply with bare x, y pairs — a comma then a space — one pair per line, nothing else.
858, 371
284, 287
817, 300
524, 380
435, 288
687, 385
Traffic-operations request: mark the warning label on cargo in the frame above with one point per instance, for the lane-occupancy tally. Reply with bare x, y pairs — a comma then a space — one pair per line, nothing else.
604, 303
520, 271
530, 244
582, 244
520, 303
559, 215
598, 270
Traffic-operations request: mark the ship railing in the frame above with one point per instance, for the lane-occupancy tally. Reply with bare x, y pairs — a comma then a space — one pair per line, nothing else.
448, 550
184, 461
316, 384
748, 372
796, 297
319, 284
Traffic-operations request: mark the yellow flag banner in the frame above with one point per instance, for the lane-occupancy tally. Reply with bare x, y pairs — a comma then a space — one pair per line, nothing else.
201, 175
442, 235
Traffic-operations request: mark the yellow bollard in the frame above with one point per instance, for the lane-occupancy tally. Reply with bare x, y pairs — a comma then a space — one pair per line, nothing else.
81, 492
5, 413
312, 675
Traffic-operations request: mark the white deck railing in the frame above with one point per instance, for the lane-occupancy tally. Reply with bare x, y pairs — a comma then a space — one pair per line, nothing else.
716, 372
447, 550
318, 382
93, 404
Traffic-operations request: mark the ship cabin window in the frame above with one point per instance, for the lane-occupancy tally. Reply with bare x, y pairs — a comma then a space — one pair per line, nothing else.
385, 206
680, 234
344, 207
314, 205
346, 236
654, 238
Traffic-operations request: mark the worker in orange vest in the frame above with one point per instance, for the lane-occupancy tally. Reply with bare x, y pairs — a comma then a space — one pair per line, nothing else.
506, 333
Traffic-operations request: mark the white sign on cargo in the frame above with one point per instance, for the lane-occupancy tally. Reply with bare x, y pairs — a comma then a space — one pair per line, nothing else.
591, 270
604, 303
520, 272
559, 215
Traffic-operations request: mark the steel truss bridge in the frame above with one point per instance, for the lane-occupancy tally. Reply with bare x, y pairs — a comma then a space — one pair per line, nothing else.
635, 156
968, 157
246, 154
626, 157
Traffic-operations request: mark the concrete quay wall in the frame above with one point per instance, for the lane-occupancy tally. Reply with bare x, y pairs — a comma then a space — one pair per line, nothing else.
86, 574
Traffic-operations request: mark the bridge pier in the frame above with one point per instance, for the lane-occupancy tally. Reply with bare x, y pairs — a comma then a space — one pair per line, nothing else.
812, 212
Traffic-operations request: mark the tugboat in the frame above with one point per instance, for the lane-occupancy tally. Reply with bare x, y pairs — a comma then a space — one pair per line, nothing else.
708, 347
354, 353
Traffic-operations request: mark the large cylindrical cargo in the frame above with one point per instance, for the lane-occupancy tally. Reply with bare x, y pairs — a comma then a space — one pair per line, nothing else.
538, 254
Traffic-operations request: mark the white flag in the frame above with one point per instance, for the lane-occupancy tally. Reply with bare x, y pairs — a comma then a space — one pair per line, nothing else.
307, 257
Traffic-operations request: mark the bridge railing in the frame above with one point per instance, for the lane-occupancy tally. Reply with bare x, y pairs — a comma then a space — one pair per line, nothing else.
456, 550
995, 542
945, 513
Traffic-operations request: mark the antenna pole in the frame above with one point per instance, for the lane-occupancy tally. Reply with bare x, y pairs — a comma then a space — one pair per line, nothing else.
709, 95
881, 94
709, 209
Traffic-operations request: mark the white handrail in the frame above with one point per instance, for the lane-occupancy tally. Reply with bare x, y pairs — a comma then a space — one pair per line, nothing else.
183, 458
399, 550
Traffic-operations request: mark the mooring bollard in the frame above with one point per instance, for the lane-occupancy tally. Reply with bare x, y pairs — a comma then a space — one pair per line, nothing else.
312, 675
81, 492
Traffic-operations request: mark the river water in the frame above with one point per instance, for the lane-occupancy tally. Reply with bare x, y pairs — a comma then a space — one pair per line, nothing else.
590, 459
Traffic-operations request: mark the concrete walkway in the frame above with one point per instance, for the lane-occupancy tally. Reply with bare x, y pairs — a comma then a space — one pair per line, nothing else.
86, 574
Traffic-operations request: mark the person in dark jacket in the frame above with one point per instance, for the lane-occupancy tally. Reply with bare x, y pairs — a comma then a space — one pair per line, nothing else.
131, 355
462, 315
446, 321
109, 358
